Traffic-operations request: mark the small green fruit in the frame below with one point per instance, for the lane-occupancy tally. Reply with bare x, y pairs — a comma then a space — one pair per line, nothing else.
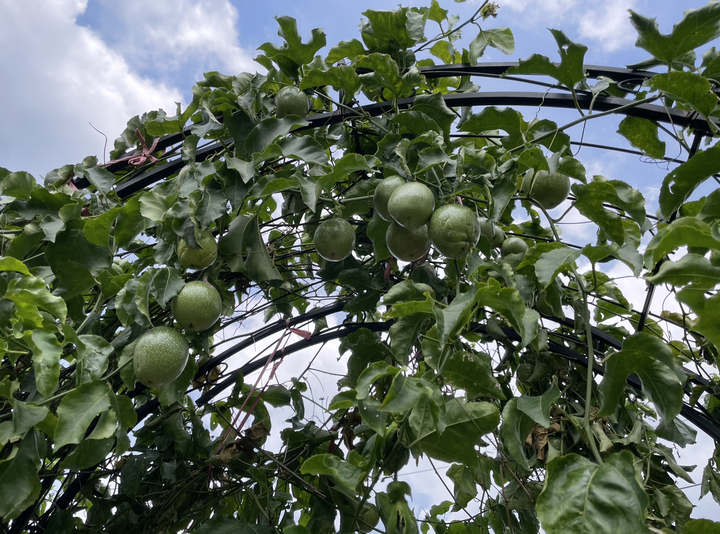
549, 189
291, 101
492, 231
454, 230
411, 204
407, 244
513, 245
161, 355
197, 307
198, 258
334, 239
382, 195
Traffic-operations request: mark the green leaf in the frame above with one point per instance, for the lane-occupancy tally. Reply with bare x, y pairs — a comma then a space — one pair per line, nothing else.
166, 285
371, 374
404, 393
515, 429
508, 303
348, 475
552, 263
464, 485
428, 415
686, 177
19, 482
701, 526
468, 371
453, 318
580, 496
345, 49
569, 72
174, 392
265, 134
78, 409
18, 185
687, 88
46, 360
386, 75
698, 27
206, 206
97, 230
493, 118
653, 362
88, 454
304, 148
93, 353
466, 423
389, 26
25, 416
258, 263
404, 334
643, 135
686, 231
294, 49
102, 179
30, 294
11, 264
129, 223
500, 38
538, 408
342, 77
708, 311
690, 269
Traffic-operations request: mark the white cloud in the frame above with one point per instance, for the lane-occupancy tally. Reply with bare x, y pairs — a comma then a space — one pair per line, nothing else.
58, 77
170, 36
607, 24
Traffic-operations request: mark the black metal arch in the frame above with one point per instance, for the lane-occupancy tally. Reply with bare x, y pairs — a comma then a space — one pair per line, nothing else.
496, 70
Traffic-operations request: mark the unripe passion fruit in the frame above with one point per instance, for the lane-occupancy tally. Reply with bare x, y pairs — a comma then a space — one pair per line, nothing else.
407, 244
161, 355
197, 307
492, 231
334, 239
549, 189
291, 101
382, 195
513, 245
454, 230
411, 204
198, 258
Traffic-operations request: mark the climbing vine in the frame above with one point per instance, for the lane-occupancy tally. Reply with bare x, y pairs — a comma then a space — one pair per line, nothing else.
517, 362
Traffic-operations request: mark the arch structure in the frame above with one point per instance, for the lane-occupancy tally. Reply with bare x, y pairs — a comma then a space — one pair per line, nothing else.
513, 355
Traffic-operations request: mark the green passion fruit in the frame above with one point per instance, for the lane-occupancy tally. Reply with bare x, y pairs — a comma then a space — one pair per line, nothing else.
291, 101
407, 244
198, 258
492, 231
382, 195
549, 189
513, 245
334, 239
197, 307
161, 355
454, 230
411, 204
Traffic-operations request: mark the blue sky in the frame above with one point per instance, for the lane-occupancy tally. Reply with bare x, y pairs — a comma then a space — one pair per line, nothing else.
68, 63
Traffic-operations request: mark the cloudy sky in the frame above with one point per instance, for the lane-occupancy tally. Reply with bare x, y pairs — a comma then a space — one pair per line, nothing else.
67, 64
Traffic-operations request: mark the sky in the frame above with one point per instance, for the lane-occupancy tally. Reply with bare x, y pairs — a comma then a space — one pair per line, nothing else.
69, 67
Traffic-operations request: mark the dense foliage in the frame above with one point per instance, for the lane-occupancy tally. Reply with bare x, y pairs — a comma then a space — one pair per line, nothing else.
556, 403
